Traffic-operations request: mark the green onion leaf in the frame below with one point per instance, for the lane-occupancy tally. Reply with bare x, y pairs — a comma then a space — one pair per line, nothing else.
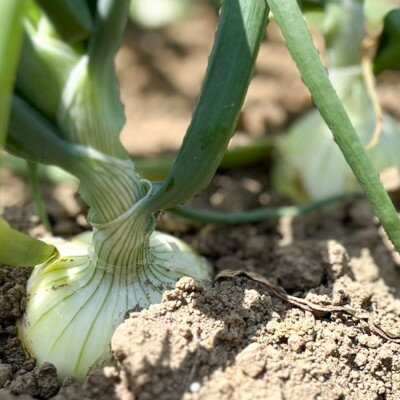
45, 65
157, 168
71, 18
388, 54
256, 215
20, 250
240, 31
34, 138
10, 43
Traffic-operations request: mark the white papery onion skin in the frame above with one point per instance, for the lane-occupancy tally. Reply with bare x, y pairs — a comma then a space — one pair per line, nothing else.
74, 304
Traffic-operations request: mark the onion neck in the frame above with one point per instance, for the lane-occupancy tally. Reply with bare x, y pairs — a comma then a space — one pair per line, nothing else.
344, 20
121, 228
91, 116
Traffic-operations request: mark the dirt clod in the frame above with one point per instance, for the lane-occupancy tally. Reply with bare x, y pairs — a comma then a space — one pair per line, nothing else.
5, 374
40, 382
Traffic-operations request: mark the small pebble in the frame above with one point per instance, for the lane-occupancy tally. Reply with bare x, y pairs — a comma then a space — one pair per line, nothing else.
195, 387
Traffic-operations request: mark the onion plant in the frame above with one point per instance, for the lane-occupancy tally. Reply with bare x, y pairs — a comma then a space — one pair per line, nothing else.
66, 112
310, 165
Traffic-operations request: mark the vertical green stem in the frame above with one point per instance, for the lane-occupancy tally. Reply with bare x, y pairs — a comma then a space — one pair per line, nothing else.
314, 74
11, 13
110, 24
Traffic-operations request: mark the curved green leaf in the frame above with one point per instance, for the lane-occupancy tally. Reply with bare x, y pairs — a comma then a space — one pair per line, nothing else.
20, 250
33, 137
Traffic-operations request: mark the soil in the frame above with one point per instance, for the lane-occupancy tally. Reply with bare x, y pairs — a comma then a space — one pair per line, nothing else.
235, 338
239, 337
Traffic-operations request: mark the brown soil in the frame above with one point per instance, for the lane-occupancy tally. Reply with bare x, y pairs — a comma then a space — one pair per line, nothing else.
237, 340
234, 338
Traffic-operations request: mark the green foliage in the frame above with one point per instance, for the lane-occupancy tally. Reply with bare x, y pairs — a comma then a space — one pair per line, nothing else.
71, 18
375, 11
21, 250
10, 43
388, 54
